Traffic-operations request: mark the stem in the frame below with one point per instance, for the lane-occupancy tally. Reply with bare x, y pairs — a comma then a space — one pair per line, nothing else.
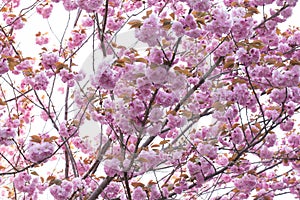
101, 187
127, 186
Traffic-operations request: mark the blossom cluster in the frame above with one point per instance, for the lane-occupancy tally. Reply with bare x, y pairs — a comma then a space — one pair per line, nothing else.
39, 151
29, 185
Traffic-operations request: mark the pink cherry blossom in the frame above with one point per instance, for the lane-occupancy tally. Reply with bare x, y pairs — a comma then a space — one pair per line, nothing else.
265, 153
40, 151
156, 75
6, 135
221, 23
70, 4
62, 191
3, 66
89, 5
39, 82
76, 40
287, 125
105, 79
44, 10
49, 60
112, 167
202, 5
178, 28
156, 114
150, 31
28, 185
139, 193
13, 21
67, 77
237, 136
112, 191
246, 183
166, 99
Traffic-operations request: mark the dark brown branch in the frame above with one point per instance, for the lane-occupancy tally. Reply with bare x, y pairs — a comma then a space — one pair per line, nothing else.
127, 186
101, 187
189, 93
272, 17
98, 159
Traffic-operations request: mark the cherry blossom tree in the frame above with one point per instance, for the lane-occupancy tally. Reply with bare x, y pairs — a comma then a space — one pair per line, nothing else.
207, 109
